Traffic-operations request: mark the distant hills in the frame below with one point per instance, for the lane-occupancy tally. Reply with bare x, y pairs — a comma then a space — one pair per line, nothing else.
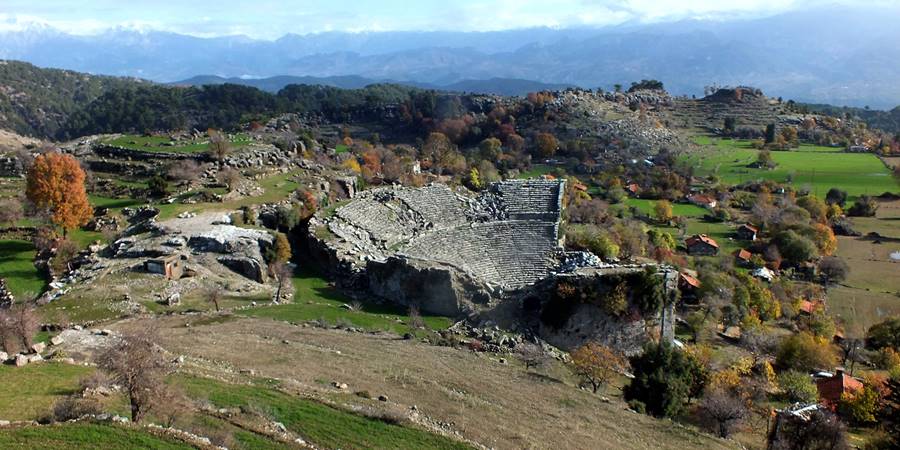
846, 55
499, 86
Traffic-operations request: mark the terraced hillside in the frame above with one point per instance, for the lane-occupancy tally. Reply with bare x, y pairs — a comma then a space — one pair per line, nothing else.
748, 106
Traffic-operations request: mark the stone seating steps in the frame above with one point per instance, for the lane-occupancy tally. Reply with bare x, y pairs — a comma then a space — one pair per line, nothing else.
514, 253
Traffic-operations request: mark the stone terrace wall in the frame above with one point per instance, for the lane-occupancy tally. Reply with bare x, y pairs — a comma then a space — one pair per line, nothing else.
507, 254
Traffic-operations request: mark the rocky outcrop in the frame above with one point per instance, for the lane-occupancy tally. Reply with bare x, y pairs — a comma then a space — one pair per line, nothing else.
433, 288
251, 267
6, 297
580, 313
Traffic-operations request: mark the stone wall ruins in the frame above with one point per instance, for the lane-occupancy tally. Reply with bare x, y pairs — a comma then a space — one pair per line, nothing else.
489, 256
399, 242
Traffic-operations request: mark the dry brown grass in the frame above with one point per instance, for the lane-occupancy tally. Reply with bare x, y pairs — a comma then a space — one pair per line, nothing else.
497, 405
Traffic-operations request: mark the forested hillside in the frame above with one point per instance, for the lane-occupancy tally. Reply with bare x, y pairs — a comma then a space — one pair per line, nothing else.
38, 102
59, 104
886, 120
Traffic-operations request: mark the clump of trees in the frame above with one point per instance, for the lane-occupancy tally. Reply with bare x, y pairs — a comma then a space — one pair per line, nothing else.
664, 377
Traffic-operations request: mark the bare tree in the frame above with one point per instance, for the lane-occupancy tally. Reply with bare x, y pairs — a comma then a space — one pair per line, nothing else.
18, 325
184, 171
759, 342
138, 365
723, 411
229, 177
214, 295
282, 272
415, 318
850, 351
219, 147
833, 270
820, 430
10, 211
532, 355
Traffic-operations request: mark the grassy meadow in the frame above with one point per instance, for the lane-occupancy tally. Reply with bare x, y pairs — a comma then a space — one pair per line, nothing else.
17, 268
86, 436
162, 143
315, 299
812, 167
325, 426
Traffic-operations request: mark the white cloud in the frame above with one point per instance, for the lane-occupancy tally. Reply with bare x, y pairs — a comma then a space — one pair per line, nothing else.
270, 19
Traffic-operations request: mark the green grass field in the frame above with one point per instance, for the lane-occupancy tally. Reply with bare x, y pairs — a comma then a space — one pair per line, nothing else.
341, 148
17, 267
678, 209
537, 170
85, 436
27, 393
814, 167
325, 426
160, 143
314, 299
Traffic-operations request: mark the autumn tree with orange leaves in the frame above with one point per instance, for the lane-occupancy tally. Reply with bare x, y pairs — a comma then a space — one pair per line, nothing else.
597, 364
56, 182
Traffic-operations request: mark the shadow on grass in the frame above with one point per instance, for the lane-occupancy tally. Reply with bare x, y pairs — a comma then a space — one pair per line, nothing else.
16, 246
544, 378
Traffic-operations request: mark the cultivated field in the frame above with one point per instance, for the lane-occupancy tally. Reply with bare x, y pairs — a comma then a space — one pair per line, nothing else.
811, 167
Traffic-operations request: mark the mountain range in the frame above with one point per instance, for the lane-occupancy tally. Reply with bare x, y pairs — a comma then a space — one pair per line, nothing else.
500, 86
837, 55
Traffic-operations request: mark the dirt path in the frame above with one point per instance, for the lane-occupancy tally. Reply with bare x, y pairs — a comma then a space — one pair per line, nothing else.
497, 405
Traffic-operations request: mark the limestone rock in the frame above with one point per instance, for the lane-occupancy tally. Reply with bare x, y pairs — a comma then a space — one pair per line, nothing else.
38, 347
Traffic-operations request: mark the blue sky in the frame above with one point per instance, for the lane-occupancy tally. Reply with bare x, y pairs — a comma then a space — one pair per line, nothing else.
269, 19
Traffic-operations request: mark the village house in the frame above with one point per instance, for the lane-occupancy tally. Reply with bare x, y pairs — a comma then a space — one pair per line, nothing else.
702, 245
688, 285
742, 257
747, 232
171, 266
633, 189
703, 200
832, 388
808, 307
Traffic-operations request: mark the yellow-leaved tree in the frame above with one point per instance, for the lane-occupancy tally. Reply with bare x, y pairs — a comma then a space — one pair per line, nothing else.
55, 182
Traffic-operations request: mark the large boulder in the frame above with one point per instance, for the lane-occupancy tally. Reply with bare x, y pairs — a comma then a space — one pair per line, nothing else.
252, 268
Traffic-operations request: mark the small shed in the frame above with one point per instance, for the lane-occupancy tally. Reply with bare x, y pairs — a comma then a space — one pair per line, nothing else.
171, 266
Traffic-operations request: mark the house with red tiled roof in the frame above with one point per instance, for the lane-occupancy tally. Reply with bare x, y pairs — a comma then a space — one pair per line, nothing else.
809, 307
701, 244
703, 200
830, 389
747, 232
633, 189
742, 256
